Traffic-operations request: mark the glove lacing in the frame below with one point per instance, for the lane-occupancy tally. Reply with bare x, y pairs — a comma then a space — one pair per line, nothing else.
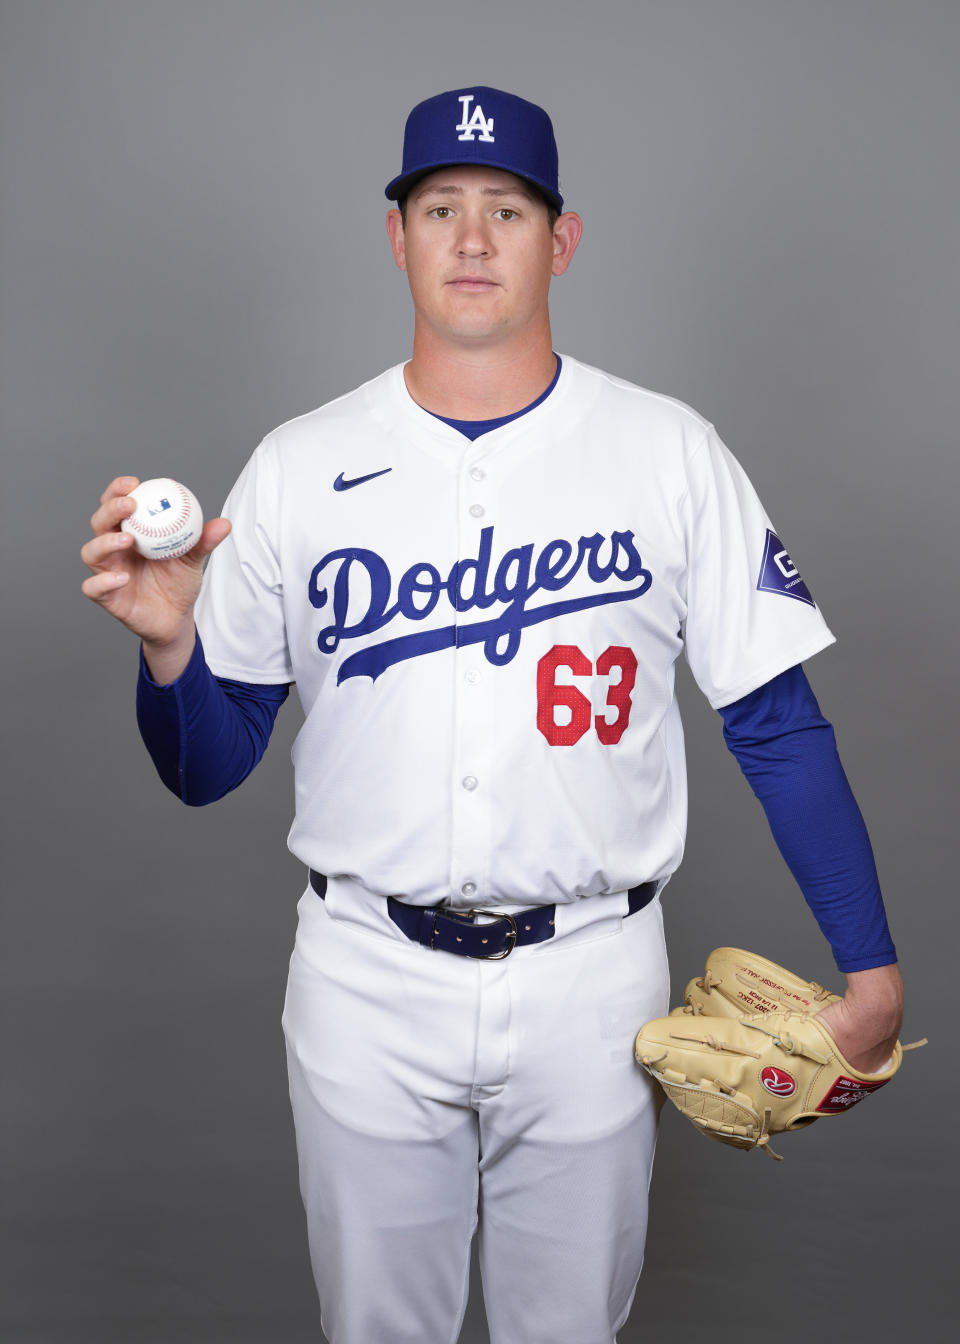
785, 1041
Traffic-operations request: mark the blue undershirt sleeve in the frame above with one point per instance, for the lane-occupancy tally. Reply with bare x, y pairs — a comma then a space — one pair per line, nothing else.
205, 733
788, 753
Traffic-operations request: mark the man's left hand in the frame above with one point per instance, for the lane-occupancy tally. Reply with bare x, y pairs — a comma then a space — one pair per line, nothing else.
865, 1023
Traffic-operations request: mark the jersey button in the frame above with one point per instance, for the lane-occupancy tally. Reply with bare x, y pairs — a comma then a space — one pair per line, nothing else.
468, 889
477, 510
469, 782
471, 677
477, 474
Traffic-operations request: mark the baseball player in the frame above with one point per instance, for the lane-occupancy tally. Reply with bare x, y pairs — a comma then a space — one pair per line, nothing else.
479, 569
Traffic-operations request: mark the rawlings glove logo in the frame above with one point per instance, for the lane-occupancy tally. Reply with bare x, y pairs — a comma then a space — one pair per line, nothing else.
470, 585
778, 1081
846, 1092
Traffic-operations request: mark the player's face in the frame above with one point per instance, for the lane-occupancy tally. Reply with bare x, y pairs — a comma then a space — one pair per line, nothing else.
479, 254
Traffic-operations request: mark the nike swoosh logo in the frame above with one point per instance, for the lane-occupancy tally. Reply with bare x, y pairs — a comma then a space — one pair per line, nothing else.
341, 484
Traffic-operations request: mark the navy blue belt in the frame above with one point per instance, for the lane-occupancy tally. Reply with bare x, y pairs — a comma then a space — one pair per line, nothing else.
448, 930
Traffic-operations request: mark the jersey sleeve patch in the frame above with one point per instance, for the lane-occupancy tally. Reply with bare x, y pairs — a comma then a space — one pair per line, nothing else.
778, 573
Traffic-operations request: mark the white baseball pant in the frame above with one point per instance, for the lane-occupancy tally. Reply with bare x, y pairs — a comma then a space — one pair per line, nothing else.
433, 1094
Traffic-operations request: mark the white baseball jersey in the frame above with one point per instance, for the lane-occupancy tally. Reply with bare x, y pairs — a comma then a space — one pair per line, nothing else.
483, 634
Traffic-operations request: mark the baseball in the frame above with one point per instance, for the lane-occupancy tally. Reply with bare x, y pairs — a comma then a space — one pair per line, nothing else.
168, 520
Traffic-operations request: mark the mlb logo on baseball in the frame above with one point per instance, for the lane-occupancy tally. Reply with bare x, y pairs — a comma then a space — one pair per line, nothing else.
167, 521
476, 122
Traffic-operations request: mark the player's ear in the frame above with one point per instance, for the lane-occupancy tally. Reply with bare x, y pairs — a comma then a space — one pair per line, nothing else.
566, 236
397, 243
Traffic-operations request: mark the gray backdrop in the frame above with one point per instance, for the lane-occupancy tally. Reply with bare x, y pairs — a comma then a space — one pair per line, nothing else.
192, 252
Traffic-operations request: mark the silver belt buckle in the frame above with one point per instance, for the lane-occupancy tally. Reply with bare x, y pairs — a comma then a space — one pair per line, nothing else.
511, 935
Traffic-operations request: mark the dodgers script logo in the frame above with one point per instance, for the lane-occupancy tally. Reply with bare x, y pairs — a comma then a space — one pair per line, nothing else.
471, 585
476, 122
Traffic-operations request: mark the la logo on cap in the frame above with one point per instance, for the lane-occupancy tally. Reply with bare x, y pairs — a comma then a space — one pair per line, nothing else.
477, 121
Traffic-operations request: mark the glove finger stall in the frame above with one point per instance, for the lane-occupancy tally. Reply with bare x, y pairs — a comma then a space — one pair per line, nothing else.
736, 981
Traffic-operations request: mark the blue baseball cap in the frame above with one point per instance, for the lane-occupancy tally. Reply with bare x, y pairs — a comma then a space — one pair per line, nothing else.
479, 125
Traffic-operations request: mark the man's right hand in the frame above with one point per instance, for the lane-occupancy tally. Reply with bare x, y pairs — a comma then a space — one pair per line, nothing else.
153, 598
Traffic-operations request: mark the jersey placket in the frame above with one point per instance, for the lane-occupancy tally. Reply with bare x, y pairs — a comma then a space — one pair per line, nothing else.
473, 701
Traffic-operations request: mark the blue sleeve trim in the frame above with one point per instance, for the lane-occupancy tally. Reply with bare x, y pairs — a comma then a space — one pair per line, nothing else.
204, 733
787, 751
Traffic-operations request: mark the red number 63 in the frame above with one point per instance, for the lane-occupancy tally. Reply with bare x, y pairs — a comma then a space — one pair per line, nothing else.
550, 694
